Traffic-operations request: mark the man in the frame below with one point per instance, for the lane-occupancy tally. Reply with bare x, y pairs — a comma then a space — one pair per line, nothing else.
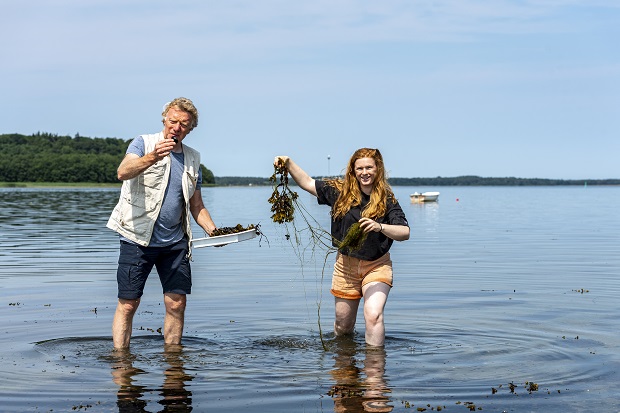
161, 188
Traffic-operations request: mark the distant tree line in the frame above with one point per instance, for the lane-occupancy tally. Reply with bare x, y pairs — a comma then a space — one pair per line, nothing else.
46, 157
242, 181
471, 180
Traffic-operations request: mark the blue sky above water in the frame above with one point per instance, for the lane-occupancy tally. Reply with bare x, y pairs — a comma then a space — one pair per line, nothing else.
443, 88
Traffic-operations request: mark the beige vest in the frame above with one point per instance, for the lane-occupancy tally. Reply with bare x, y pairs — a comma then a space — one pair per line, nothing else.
141, 197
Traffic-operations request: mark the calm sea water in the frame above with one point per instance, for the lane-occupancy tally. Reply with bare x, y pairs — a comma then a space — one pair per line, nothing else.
505, 299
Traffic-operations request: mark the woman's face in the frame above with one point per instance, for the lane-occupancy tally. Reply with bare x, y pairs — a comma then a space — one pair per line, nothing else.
365, 172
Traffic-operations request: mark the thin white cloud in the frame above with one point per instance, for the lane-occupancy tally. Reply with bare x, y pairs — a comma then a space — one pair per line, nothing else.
79, 33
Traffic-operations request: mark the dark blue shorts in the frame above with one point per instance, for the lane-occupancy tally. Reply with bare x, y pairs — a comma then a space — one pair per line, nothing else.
135, 263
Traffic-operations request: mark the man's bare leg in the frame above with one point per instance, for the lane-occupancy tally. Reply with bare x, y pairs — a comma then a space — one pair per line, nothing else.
123, 322
175, 317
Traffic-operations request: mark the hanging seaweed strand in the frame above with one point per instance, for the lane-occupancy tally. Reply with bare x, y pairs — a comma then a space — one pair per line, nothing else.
285, 205
282, 200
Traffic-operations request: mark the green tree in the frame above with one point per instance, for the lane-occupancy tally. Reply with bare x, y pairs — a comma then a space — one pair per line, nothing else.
46, 157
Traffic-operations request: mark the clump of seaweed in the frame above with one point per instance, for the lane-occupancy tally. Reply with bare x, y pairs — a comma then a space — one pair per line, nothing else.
285, 205
283, 199
234, 230
531, 386
354, 238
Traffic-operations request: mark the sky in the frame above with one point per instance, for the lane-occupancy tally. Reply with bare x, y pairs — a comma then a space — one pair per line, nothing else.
502, 88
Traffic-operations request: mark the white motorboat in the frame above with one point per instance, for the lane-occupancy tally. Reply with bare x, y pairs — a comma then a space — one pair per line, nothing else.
418, 198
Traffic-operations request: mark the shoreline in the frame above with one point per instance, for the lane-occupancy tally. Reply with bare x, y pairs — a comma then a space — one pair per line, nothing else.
42, 185
57, 185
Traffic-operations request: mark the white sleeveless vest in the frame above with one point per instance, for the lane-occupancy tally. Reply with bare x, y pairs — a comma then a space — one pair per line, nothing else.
141, 197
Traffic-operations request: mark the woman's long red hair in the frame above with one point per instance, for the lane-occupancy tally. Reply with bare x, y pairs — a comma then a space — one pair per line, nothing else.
351, 194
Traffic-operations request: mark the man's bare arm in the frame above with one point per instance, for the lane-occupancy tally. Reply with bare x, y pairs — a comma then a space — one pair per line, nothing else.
200, 213
133, 165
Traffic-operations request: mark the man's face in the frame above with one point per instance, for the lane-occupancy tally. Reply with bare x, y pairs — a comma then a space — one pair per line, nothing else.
177, 123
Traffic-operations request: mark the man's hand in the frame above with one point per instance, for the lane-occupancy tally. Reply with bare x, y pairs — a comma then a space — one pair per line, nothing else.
163, 148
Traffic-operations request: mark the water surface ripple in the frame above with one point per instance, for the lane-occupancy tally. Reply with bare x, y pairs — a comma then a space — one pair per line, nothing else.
505, 299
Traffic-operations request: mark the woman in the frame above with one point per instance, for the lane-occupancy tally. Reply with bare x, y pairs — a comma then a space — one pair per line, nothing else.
362, 196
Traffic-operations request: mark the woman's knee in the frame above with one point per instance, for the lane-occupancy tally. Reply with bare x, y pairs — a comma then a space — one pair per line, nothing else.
342, 327
373, 315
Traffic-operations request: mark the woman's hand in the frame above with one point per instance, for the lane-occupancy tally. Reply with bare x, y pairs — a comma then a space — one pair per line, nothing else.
369, 225
395, 232
304, 180
281, 159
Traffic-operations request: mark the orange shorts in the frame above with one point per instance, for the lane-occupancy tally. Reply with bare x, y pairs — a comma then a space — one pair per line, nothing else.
351, 274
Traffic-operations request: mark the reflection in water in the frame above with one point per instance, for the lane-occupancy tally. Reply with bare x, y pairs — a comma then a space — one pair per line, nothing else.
359, 389
175, 397
130, 396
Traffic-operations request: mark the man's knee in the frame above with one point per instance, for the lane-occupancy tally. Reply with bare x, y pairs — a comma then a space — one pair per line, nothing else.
175, 303
128, 307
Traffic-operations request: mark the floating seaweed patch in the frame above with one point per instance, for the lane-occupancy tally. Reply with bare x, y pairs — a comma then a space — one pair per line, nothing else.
344, 391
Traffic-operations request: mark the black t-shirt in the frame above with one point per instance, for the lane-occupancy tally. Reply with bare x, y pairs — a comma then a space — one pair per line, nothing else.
376, 244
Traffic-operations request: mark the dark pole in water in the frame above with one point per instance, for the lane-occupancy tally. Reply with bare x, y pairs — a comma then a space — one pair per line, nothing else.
328, 158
